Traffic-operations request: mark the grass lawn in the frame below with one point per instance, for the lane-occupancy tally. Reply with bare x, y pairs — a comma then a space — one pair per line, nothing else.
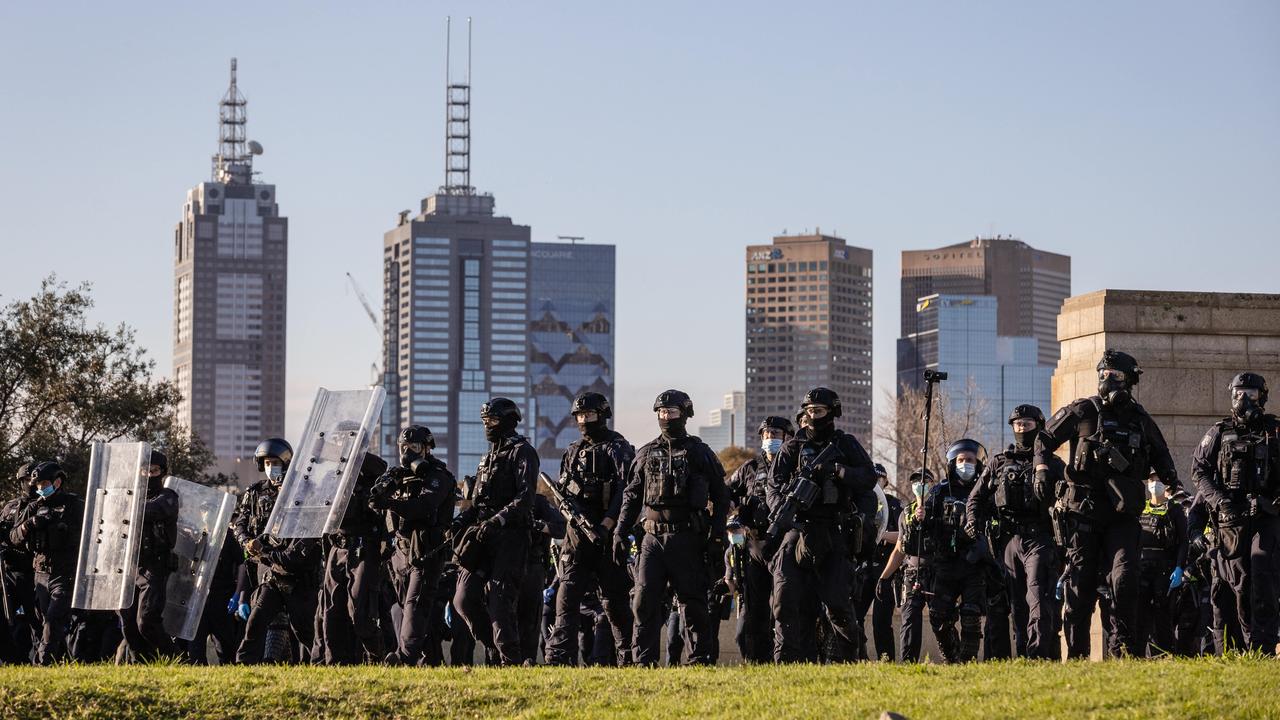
1210, 687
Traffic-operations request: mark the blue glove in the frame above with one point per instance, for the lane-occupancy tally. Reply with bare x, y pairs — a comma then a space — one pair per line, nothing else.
1057, 592
548, 595
448, 615
243, 611
233, 604
1175, 579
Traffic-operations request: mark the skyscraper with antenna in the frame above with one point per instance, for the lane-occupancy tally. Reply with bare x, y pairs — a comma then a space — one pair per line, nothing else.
229, 299
455, 300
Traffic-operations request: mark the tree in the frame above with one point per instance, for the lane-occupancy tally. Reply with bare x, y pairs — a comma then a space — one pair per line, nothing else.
65, 383
733, 457
899, 432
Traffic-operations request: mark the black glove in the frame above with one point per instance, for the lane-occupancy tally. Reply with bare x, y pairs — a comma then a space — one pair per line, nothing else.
488, 529
539, 526
720, 588
884, 589
621, 550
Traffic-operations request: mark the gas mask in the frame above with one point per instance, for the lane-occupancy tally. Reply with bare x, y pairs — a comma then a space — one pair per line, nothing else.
408, 456
1245, 408
1113, 391
771, 445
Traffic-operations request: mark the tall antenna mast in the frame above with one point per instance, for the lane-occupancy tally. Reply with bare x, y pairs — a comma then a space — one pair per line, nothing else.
457, 141
233, 163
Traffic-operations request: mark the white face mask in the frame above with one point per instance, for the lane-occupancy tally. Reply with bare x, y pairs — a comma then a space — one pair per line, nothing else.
771, 445
1156, 489
966, 471
275, 472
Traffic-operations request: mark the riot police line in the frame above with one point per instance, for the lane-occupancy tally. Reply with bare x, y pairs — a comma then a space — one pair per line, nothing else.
333, 556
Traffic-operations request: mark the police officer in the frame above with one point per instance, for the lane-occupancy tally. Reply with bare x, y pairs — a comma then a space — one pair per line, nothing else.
1237, 470
547, 528
16, 581
748, 502
287, 571
348, 612
914, 553
671, 482
1015, 498
881, 610
1164, 559
143, 622
49, 528
418, 497
821, 499
493, 551
1113, 445
594, 472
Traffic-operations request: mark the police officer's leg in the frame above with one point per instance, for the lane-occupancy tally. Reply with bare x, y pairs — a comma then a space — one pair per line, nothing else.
687, 573
973, 600
1038, 577
913, 601
835, 591
794, 605
1080, 591
151, 599
416, 601
529, 610
129, 625
943, 611
336, 631
1123, 555
364, 583
1017, 558
997, 644
650, 592
508, 553
675, 635
1264, 597
864, 596
575, 575
757, 619
882, 628
265, 602
614, 582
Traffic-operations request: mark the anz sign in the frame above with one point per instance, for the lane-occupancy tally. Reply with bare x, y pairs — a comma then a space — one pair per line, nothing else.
771, 254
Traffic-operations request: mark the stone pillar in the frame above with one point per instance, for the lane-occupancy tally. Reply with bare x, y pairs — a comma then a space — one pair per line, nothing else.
1189, 346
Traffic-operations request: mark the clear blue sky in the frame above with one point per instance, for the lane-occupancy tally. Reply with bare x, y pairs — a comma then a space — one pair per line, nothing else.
1143, 139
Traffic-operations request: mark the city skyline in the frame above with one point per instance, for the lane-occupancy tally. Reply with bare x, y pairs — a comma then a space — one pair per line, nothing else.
1143, 154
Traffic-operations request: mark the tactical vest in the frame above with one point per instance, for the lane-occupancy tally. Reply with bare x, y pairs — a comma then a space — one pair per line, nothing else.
830, 494
1112, 446
496, 477
1244, 460
940, 532
158, 538
669, 479
1158, 534
1014, 495
591, 476
264, 501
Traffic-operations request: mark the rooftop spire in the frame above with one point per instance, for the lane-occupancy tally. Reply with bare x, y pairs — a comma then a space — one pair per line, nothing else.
234, 162
457, 126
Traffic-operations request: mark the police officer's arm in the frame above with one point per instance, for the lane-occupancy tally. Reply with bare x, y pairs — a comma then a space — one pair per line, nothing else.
298, 555
240, 518
632, 496
1061, 428
22, 528
525, 471
895, 560
975, 506
1204, 468
1161, 459
437, 488
550, 517
737, 482
784, 466
1197, 516
854, 470
1179, 520
718, 494
621, 454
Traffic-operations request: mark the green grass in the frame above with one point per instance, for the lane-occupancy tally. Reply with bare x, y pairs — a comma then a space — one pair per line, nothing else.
1236, 687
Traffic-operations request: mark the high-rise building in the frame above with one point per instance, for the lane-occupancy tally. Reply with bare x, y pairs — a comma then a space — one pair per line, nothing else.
230, 281
957, 334
571, 336
728, 425
1029, 284
808, 325
455, 307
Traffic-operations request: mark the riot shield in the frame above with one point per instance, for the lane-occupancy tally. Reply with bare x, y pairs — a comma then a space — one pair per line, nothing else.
203, 518
114, 501
882, 512
326, 462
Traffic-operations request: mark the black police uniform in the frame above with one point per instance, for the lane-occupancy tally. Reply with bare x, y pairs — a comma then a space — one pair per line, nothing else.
489, 582
347, 619
1163, 548
881, 610
1113, 447
956, 583
287, 572
143, 622
813, 567
748, 501
49, 528
419, 507
548, 524
17, 582
1010, 494
1237, 470
594, 473
670, 483
218, 621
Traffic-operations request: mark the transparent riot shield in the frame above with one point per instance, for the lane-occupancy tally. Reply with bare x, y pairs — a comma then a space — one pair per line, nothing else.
882, 512
326, 462
114, 501
203, 518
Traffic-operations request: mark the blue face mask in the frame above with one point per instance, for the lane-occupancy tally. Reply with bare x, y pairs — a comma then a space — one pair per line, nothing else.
46, 491
771, 446
738, 539
918, 489
966, 471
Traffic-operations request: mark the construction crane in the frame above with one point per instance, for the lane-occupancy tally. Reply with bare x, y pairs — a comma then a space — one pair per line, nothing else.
373, 318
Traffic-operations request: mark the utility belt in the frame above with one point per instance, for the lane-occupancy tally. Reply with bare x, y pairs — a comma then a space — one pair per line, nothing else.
1012, 526
1157, 557
657, 527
